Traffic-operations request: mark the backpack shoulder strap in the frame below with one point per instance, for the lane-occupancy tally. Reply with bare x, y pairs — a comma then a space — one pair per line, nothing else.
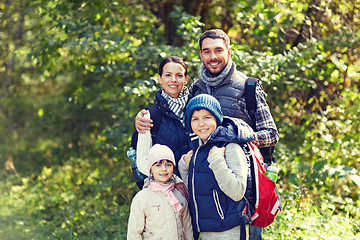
156, 116
250, 99
193, 89
222, 144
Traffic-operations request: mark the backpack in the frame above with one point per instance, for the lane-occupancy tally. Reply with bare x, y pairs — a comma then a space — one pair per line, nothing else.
156, 116
261, 193
250, 85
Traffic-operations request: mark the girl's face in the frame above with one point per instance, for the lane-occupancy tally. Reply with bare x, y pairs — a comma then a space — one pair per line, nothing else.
173, 79
203, 123
162, 170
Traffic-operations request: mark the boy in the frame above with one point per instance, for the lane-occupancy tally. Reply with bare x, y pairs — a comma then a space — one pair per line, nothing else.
216, 176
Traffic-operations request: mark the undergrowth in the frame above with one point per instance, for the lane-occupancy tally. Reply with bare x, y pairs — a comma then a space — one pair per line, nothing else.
92, 210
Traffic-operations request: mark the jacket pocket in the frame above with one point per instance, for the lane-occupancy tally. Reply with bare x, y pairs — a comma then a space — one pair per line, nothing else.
218, 205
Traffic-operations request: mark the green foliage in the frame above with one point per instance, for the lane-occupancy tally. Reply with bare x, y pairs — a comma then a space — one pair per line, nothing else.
74, 74
82, 199
300, 218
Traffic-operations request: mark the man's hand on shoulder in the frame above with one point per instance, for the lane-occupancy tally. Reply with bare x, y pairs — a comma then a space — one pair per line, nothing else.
142, 123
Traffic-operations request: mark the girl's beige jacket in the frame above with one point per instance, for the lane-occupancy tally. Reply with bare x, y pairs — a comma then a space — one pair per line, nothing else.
152, 217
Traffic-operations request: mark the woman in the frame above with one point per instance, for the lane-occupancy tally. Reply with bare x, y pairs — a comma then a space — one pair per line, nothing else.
169, 108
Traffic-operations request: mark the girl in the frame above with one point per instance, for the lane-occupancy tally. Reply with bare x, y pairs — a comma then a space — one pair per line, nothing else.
216, 176
159, 211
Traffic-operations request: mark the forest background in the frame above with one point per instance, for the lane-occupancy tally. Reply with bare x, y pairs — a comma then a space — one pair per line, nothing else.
73, 74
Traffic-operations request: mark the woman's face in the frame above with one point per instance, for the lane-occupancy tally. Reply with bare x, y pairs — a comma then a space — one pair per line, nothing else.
162, 171
173, 79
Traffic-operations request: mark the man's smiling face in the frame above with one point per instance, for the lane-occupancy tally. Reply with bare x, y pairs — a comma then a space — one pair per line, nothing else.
215, 55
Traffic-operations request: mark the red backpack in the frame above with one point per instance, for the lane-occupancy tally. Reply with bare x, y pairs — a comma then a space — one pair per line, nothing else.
262, 195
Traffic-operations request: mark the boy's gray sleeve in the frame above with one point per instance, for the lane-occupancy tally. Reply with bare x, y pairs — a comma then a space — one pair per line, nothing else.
230, 171
184, 170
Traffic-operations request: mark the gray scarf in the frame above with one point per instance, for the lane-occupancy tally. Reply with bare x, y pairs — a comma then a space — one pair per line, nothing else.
213, 81
177, 105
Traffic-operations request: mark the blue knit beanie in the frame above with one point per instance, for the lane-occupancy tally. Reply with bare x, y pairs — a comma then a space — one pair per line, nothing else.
207, 102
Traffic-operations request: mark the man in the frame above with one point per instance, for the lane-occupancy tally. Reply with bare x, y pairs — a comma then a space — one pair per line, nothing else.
219, 77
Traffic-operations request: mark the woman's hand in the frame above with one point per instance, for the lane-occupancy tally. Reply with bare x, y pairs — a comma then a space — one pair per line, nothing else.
142, 123
215, 149
188, 156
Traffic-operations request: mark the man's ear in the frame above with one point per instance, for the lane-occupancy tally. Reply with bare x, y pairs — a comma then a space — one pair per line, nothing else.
229, 52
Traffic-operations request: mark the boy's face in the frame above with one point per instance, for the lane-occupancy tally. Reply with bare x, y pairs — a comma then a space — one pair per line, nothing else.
162, 171
203, 123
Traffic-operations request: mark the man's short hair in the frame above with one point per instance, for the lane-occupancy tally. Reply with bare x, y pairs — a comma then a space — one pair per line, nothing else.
215, 33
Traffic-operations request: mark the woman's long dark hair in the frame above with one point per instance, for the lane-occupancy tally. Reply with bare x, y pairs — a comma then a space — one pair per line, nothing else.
173, 59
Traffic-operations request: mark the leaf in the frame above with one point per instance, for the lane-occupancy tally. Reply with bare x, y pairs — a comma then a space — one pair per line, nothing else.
356, 179
319, 165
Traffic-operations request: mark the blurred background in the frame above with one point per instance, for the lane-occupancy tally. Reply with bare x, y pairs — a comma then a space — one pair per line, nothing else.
73, 74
